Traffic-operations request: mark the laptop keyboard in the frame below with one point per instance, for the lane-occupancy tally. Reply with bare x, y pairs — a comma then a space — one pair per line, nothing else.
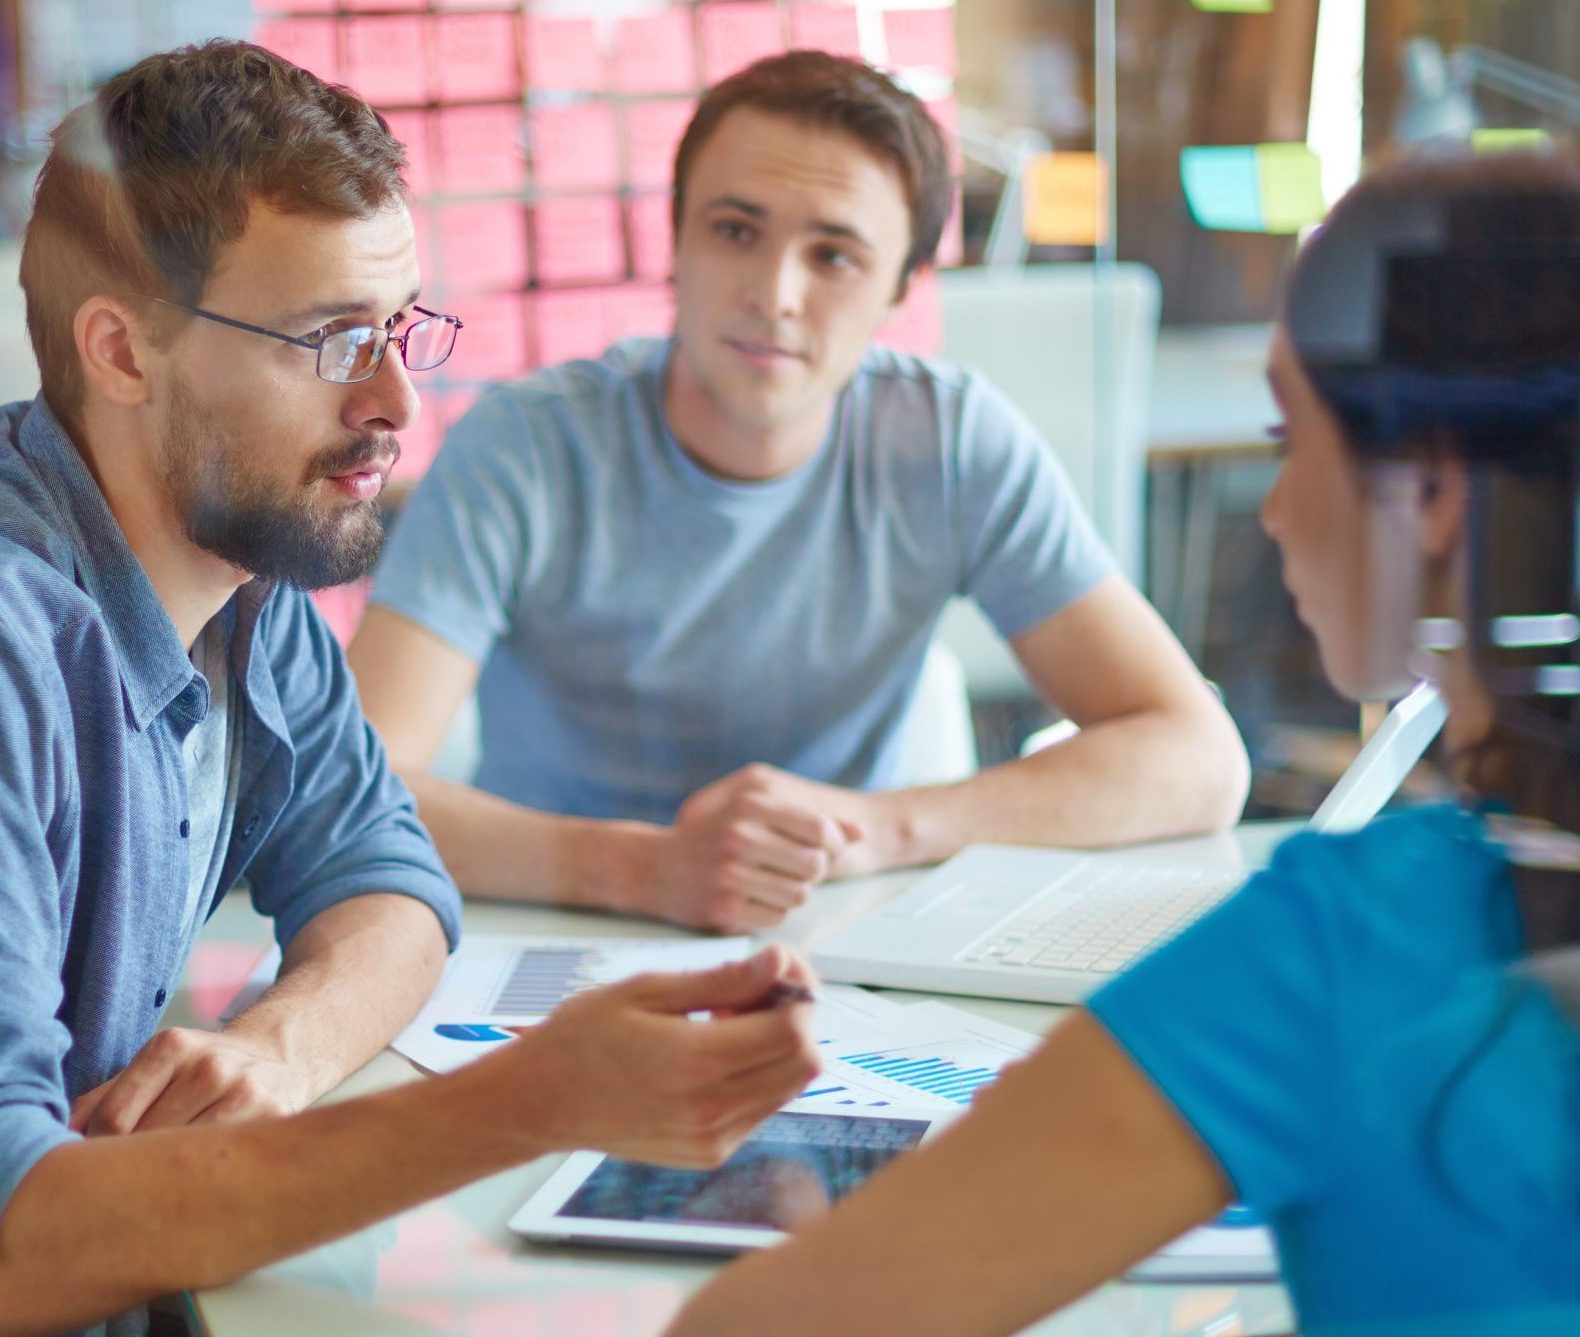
1124, 910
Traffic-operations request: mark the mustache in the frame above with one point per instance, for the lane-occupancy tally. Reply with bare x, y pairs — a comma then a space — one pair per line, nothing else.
354, 456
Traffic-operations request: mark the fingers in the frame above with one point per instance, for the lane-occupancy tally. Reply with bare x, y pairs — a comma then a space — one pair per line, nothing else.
736, 986
125, 1098
83, 1106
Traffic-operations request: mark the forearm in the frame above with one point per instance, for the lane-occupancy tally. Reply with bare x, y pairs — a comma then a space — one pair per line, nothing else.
1147, 776
499, 850
351, 978
103, 1224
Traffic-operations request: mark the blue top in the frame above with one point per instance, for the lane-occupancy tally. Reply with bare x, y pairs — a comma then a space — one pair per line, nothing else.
646, 627
96, 695
1349, 1040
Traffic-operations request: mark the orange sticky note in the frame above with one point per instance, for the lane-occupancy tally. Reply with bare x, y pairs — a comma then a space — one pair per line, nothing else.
831, 28
492, 343
562, 54
386, 60
575, 146
411, 128
480, 149
309, 43
652, 249
483, 246
734, 35
1064, 200
921, 38
569, 324
579, 239
652, 134
918, 326
654, 54
475, 56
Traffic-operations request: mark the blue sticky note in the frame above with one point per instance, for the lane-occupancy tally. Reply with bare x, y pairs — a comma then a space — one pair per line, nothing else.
1223, 187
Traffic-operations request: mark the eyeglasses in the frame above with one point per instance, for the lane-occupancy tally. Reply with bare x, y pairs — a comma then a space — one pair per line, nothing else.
348, 356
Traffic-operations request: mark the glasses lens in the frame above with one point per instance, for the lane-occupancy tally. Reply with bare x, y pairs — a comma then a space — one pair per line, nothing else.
429, 342
351, 355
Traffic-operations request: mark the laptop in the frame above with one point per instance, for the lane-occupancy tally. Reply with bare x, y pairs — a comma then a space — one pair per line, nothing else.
1049, 926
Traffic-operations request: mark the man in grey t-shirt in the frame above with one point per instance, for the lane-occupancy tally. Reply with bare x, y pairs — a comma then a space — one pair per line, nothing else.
693, 582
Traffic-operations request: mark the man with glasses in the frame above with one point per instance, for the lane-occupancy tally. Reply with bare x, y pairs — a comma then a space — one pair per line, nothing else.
693, 581
222, 293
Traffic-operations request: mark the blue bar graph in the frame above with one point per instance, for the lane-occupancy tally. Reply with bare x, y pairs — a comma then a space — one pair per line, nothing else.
936, 1076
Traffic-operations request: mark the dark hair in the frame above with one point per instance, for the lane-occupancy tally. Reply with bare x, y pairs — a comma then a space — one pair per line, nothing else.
836, 93
1438, 311
144, 184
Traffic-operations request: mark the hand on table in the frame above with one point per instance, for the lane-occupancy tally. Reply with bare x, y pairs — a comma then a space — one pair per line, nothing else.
747, 849
623, 1068
189, 1076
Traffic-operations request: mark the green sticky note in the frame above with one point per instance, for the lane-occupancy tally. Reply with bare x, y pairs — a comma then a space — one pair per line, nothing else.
1291, 182
1221, 187
1492, 141
1235, 6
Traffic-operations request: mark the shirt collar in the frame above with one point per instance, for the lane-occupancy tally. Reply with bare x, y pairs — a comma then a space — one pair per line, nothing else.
154, 664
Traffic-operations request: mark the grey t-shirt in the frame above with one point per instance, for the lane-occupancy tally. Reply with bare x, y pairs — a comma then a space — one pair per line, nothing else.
645, 627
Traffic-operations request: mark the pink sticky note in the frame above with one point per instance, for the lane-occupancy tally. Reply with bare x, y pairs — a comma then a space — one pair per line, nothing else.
386, 60
411, 128
579, 240
492, 343
483, 246
575, 147
654, 53
652, 134
475, 56
562, 54
735, 35
947, 114
921, 37
480, 149
381, 4
569, 324
309, 43
918, 326
641, 309
652, 248
832, 28
293, 7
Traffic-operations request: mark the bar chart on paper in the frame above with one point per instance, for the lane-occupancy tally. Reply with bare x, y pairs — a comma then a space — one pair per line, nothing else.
944, 1055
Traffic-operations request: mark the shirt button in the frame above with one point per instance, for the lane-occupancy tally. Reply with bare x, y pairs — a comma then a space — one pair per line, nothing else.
250, 827
186, 828
159, 998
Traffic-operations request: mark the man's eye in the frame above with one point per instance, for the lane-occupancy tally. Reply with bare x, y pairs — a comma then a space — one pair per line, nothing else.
835, 258
732, 229
319, 335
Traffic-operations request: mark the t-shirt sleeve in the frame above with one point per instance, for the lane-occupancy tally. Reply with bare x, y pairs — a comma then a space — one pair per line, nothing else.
350, 826
456, 557
1238, 1022
1028, 548
34, 765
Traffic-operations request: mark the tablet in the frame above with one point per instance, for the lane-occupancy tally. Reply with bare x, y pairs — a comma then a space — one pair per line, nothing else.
791, 1170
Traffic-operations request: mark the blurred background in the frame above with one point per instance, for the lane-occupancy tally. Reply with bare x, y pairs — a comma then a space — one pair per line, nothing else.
1135, 178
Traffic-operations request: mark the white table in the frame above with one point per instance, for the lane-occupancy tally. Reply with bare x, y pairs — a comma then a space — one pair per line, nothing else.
452, 1267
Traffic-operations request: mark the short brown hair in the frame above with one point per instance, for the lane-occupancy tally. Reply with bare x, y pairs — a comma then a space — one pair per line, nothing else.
144, 184
836, 93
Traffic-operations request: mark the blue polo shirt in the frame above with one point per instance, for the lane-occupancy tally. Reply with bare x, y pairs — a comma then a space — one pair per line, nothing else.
97, 694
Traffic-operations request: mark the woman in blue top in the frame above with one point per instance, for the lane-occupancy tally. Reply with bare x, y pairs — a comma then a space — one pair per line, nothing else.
1371, 1043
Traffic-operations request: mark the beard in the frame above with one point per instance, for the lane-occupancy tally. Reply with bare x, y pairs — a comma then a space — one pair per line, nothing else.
270, 529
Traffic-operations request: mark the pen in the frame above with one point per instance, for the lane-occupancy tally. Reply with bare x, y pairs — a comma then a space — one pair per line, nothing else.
783, 991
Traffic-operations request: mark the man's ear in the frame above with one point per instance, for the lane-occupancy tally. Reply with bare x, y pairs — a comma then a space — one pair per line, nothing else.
1442, 501
903, 289
112, 343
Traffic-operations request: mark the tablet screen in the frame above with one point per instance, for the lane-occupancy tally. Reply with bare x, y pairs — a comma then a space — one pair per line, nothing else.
793, 1168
